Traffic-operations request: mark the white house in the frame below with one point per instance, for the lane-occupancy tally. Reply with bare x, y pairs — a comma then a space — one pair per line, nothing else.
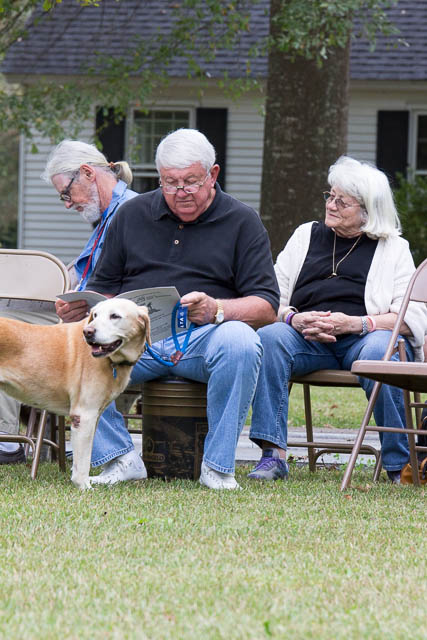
387, 116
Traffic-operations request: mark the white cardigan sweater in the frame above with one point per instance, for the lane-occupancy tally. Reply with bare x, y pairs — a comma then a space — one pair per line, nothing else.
388, 277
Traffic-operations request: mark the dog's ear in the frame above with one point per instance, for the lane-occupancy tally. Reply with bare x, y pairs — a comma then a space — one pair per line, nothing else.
144, 321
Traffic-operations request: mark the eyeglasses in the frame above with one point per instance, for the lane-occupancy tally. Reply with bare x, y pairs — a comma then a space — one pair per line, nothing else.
187, 188
329, 198
65, 196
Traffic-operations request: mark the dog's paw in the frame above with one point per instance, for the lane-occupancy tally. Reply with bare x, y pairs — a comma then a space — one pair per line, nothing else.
81, 483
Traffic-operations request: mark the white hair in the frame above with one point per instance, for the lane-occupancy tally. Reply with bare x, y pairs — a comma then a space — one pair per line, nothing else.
372, 190
184, 147
69, 155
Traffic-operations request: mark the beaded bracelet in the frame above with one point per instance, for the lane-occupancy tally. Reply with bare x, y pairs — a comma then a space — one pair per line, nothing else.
284, 314
289, 318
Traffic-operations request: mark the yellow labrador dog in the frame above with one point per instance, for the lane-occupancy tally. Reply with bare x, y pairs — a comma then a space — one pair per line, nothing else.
74, 369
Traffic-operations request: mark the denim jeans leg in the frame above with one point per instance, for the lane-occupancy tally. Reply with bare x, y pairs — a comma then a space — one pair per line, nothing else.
286, 353
112, 439
389, 410
227, 357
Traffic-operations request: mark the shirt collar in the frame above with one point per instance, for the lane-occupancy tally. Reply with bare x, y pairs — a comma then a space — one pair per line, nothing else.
215, 210
118, 192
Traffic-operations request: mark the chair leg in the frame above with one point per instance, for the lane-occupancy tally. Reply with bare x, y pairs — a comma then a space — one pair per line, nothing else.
360, 437
408, 420
61, 443
413, 459
309, 427
32, 418
377, 470
39, 443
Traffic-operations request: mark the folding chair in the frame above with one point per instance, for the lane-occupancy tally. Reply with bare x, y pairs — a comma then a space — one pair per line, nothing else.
30, 281
326, 378
129, 403
409, 376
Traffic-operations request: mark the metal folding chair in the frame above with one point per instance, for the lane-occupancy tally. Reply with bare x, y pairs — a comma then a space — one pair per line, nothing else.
30, 281
409, 376
315, 449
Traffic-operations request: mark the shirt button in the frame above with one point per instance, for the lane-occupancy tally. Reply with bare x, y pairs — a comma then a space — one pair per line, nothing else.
176, 241
181, 226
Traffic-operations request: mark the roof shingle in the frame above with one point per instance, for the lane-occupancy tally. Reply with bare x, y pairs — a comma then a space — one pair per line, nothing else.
64, 42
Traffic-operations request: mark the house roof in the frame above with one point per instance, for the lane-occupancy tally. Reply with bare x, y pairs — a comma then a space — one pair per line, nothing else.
64, 41
391, 60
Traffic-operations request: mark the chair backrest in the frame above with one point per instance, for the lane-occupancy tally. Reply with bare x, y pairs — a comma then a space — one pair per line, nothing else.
35, 275
417, 292
419, 284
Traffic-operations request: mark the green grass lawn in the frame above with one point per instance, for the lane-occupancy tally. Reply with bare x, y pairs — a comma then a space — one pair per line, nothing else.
159, 561
331, 407
174, 560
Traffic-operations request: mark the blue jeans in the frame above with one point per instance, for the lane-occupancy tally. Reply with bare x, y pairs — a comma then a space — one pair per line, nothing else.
111, 438
286, 353
227, 357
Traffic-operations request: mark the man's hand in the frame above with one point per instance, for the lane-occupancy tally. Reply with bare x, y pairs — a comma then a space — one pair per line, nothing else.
201, 308
71, 311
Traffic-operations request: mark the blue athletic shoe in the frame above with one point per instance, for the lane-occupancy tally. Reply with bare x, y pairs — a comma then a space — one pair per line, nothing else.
270, 467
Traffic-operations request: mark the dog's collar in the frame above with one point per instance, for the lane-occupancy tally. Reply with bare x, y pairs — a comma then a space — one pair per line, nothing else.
124, 363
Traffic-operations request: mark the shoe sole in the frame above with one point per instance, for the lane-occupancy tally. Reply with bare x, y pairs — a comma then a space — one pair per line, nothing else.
260, 479
13, 459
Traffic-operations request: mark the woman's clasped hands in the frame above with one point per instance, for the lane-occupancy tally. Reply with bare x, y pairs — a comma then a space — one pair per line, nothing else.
323, 326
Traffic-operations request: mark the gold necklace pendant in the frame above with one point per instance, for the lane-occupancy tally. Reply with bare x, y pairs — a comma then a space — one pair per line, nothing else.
334, 273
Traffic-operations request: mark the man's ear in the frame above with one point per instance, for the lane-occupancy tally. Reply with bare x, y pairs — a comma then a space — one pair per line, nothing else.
88, 172
215, 171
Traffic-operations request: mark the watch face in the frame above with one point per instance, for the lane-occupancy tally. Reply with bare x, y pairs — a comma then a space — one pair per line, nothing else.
219, 317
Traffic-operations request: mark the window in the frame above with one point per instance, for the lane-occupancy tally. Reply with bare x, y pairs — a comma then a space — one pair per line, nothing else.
421, 144
136, 137
146, 130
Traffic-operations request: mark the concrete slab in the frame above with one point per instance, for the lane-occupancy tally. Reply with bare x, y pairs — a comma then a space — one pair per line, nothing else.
247, 451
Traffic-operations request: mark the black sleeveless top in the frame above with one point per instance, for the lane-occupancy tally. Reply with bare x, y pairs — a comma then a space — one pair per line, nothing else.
316, 291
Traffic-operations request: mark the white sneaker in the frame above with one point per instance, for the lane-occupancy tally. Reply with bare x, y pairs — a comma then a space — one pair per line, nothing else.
217, 480
127, 467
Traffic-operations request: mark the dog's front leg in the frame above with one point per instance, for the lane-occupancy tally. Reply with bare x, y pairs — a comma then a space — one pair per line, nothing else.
83, 425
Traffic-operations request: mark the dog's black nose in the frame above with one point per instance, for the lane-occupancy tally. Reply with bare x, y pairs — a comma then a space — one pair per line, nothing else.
89, 333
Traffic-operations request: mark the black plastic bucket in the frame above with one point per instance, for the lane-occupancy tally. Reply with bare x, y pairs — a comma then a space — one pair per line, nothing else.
174, 427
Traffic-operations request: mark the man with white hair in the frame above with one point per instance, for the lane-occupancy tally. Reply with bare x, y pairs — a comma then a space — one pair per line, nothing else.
89, 184
215, 250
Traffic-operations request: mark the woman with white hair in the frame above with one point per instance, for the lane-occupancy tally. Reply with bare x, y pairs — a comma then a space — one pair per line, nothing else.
341, 283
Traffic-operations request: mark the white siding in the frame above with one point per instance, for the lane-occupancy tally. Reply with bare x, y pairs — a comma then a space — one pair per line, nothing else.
244, 152
44, 223
365, 102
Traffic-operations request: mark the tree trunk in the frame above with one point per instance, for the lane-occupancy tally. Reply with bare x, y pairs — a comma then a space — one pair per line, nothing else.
305, 132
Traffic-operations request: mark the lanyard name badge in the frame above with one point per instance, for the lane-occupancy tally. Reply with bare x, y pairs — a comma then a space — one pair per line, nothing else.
179, 318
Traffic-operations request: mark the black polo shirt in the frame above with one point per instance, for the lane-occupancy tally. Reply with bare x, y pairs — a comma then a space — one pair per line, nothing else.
225, 252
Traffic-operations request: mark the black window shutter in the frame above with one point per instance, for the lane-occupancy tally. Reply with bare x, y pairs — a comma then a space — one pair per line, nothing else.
213, 123
392, 143
111, 134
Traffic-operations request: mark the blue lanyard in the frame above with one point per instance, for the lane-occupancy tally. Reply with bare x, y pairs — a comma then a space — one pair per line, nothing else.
180, 350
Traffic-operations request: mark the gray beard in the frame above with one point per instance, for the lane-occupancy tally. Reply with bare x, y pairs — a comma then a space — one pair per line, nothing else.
90, 212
